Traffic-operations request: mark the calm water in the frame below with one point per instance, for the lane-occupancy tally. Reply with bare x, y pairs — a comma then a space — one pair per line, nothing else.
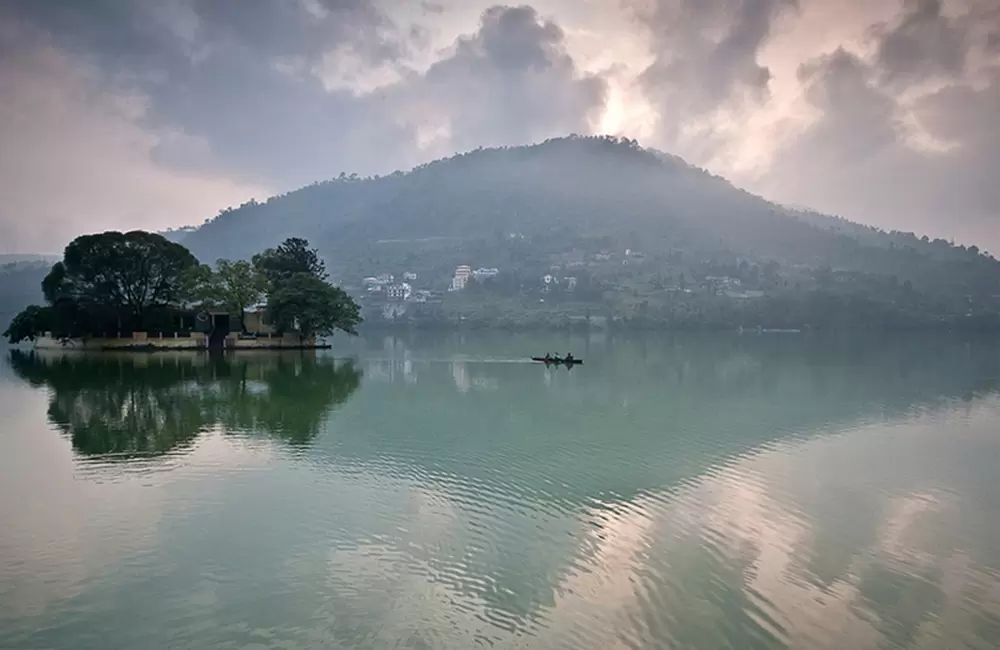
436, 492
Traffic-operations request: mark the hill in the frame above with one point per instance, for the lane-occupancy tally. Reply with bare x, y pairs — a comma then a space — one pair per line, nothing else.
621, 231
21, 285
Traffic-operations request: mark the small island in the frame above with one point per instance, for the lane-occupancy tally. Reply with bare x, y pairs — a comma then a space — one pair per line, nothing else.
140, 291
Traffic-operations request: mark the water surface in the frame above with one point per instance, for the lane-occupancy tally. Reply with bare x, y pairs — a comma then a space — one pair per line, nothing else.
439, 492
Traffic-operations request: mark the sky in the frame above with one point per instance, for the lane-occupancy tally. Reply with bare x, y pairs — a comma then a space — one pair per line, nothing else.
124, 114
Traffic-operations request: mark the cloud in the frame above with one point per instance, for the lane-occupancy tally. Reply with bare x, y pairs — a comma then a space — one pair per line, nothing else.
511, 82
76, 156
257, 80
285, 93
907, 138
706, 65
838, 105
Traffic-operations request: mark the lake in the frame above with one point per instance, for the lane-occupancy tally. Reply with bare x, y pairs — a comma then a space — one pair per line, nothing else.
436, 491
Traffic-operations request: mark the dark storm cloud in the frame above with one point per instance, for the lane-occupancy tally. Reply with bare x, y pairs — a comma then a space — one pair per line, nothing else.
706, 56
875, 153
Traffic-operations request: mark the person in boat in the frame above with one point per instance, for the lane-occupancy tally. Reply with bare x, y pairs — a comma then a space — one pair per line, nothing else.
548, 356
569, 357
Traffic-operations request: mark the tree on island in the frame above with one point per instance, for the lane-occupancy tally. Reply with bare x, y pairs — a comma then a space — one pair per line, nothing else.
292, 257
107, 282
114, 281
232, 285
311, 307
29, 324
298, 296
124, 272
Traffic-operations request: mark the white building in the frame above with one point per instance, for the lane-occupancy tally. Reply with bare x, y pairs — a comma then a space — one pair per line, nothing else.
723, 280
461, 278
409, 276
481, 273
399, 291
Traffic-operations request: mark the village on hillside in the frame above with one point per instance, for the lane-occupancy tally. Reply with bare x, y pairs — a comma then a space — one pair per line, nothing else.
576, 281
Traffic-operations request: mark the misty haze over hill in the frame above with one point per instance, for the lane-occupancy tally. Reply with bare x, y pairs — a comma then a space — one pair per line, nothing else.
569, 188
572, 205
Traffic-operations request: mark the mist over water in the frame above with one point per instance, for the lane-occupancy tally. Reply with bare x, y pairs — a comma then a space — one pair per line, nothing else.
440, 491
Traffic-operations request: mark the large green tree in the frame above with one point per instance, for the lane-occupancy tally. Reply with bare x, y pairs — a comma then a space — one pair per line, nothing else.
292, 257
126, 272
299, 298
106, 282
312, 307
236, 286
29, 324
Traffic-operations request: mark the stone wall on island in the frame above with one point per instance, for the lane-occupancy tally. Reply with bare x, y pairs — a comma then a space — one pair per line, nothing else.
142, 341
137, 341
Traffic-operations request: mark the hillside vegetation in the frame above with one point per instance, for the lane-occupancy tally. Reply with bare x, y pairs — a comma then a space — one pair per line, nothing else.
574, 206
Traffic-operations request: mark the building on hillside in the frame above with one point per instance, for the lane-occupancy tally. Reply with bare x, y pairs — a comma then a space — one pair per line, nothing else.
461, 278
422, 295
400, 291
409, 276
377, 284
482, 274
723, 280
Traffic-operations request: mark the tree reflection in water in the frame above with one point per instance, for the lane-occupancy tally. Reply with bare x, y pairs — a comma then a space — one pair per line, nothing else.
127, 405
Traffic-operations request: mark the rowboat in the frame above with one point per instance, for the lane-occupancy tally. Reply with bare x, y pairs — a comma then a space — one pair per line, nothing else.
568, 362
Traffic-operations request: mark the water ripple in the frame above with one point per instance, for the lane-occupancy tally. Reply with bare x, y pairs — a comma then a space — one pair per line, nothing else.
695, 503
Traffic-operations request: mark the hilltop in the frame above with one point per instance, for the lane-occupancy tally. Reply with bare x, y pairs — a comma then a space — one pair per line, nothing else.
622, 232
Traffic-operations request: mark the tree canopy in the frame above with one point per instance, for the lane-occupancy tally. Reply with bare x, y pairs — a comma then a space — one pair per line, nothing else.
292, 257
130, 272
29, 323
306, 304
298, 296
233, 285
113, 281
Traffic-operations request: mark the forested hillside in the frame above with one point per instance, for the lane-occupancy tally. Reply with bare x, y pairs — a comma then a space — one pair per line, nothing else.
641, 235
